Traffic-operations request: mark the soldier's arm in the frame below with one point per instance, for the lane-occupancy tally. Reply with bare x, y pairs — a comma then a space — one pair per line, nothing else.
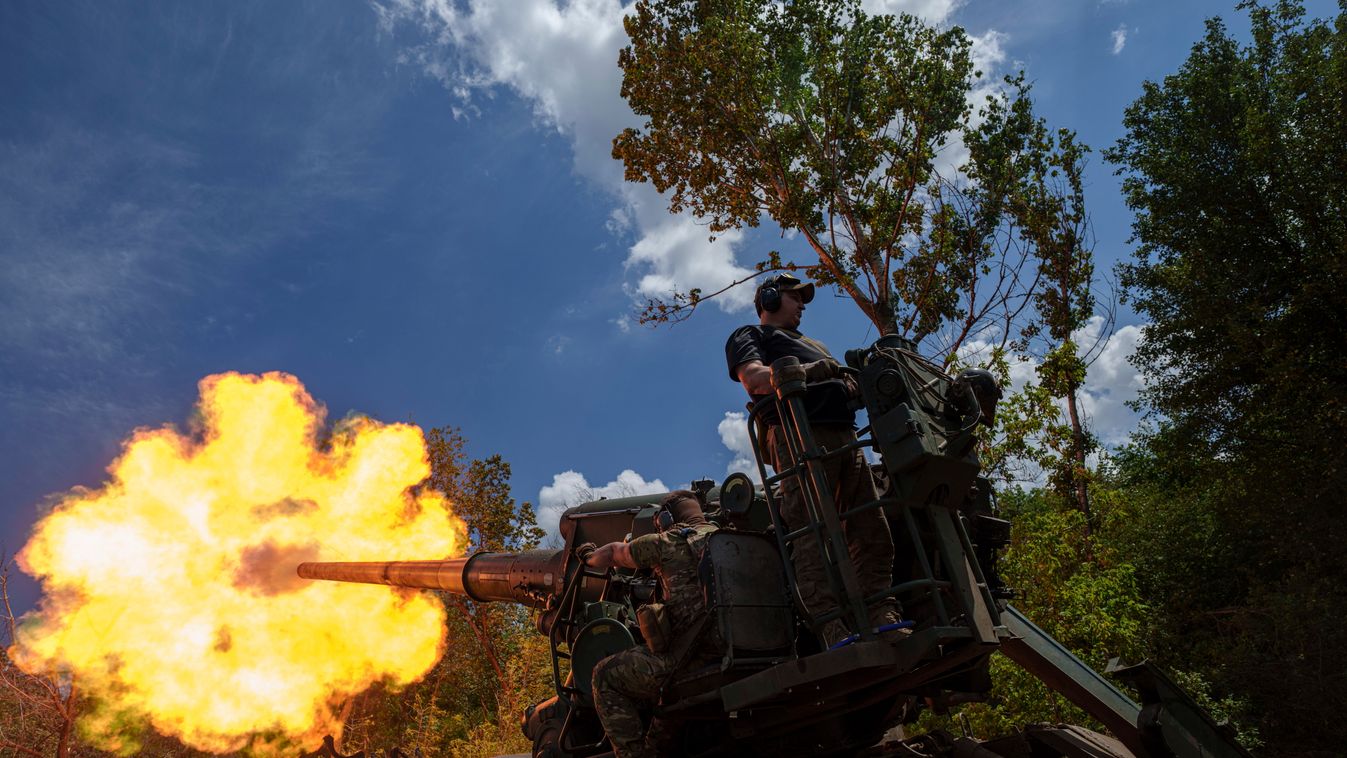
610, 555
755, 377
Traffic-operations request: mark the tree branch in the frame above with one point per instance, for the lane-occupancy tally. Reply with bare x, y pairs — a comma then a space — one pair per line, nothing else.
658, 312
5, 563
20, 748
487, 648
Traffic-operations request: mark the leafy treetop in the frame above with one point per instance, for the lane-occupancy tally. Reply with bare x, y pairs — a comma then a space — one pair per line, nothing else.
834, 123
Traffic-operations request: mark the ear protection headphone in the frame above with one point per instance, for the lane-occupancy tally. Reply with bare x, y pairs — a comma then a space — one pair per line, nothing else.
769, 297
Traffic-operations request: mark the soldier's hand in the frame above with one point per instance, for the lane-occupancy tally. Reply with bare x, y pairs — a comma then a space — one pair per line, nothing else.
821, 370
583, 551
853, 389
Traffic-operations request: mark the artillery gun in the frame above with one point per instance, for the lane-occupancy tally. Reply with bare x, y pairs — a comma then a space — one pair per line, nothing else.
774, 691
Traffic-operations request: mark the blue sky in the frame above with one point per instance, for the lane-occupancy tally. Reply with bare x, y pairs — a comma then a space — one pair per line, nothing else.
409, 205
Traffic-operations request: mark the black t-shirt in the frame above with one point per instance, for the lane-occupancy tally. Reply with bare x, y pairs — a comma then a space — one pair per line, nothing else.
825, 402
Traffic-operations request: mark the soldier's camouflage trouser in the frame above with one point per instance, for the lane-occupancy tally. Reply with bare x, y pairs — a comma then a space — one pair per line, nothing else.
624, 683
869, 542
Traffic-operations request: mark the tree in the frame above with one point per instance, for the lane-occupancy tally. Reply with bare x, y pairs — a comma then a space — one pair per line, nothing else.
843, 127
480, 492
1064, 303
1235, 168
1042, 423
834, 124
37, 711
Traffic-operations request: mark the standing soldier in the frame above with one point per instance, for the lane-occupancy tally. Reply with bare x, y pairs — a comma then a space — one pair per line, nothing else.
627, 681
750, 351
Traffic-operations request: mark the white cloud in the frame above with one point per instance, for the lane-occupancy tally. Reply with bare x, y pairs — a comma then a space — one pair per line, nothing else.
572, 488
987, 54
562, 58
978, 352
933, 11
988, 51
1119, 38
733, 431
619, 222
1110, 384
675, 254
557, 343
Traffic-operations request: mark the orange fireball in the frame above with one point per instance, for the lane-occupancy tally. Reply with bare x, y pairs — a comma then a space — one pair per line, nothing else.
170, 593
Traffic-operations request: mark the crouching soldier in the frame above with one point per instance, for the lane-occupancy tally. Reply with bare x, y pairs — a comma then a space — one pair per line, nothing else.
630, 681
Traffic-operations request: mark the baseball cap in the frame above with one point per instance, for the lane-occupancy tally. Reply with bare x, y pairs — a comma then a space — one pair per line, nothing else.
788, 282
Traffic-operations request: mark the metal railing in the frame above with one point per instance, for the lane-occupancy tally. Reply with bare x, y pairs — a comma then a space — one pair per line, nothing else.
951, 551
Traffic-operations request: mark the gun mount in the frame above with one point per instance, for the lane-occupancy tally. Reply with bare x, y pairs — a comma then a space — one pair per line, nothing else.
775, 691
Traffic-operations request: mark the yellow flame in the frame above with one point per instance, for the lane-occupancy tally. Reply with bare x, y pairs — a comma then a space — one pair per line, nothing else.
170, 593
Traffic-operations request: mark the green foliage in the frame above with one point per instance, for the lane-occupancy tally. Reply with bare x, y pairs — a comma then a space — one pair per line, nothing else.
1080, 590
480, 493
1077, 589
1235, 168
1033, 436
528, 680
1093, 595
460, 708
1230, 710
833, 123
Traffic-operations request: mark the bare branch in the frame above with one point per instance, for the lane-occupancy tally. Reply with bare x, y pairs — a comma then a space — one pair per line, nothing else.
5, 563
660, 312
20, 748
41, 692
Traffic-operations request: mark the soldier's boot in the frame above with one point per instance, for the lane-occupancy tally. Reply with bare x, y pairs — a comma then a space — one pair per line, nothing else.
633, 749
832, 633
887, 614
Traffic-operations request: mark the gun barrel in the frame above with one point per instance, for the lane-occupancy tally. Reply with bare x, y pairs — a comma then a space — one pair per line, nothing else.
527, 577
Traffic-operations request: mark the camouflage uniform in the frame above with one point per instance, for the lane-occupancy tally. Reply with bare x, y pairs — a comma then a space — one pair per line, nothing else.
867, 533
632, 679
